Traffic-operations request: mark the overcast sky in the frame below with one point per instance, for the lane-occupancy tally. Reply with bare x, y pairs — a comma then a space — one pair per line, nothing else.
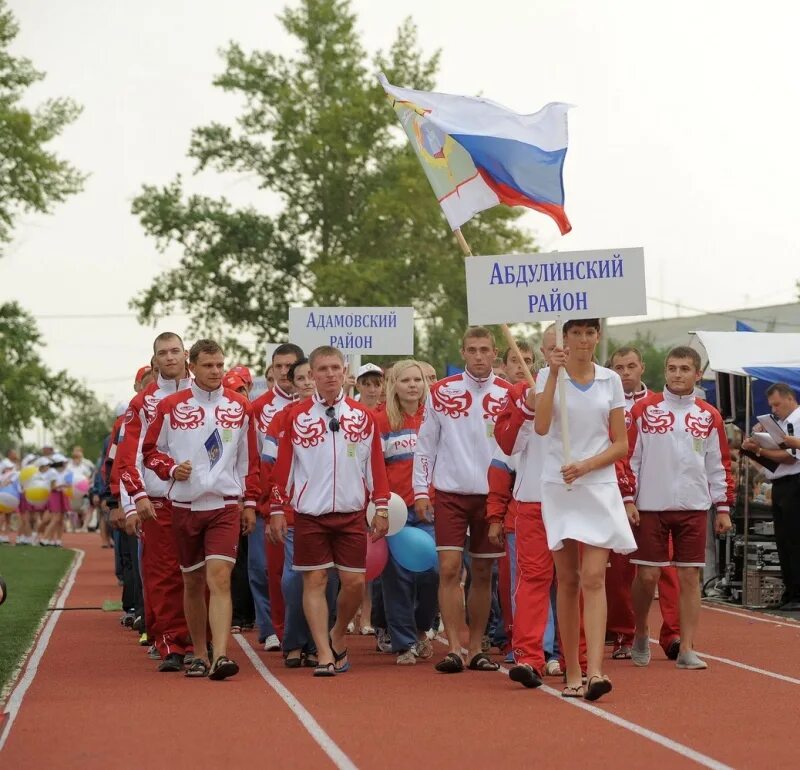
684, 140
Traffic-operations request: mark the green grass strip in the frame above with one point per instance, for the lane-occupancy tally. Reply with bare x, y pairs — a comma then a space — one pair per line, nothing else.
32, 575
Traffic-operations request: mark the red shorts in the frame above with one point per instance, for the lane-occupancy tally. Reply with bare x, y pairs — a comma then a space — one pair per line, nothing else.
454, 514
688, 530
203, 535
331, 540
57, 502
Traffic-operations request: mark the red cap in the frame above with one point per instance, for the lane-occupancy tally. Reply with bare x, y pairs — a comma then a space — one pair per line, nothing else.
233, 381
141, 373
244, 373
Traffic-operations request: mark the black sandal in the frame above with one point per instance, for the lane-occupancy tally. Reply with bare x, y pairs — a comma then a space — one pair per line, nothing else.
197, 669
452, 663
325, 669
572, 692
310, 660
293, 662
223, 668
338, 657
482, 662
526, 675
597, 687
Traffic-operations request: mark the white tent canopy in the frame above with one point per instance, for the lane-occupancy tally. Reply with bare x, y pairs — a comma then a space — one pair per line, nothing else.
732, 352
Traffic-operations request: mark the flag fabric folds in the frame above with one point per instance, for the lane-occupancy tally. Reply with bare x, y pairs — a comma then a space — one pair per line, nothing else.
477, 153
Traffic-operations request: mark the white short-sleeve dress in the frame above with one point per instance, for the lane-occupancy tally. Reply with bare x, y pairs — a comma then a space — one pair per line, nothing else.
591, 510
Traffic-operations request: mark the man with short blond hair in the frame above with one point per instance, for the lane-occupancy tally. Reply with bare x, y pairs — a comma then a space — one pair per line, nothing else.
454, 450
202, 443
329, 459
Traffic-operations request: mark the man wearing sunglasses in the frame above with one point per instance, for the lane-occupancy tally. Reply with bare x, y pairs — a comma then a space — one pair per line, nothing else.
329, 457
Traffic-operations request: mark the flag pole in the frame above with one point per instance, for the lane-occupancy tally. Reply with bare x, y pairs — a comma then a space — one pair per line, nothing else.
562, 398
512, 343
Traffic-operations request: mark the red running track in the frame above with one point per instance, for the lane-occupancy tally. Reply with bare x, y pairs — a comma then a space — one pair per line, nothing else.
96, 701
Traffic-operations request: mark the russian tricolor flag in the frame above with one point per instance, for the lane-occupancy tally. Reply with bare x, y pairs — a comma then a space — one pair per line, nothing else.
477, 153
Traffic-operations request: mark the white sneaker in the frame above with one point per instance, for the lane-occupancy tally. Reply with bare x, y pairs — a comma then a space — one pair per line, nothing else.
553, 668
640, 651
407, 658
4, 539
423, 649
272, 643
691, 661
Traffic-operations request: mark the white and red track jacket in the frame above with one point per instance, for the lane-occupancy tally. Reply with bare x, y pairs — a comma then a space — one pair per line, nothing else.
398, 451
216, 432
135, 480
456, 441
678, 455
265, 407
633, 398
517, 438
321, 471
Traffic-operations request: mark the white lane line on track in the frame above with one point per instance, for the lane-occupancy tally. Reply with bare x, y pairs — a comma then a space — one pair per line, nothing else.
757, 617
314, 729
643, 732
18, 693
744, 666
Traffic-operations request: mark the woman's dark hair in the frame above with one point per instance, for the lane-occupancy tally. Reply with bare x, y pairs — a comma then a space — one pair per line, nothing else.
293, 367
592, 323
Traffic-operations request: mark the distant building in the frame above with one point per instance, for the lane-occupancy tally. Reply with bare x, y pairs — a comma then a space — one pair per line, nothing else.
668, 332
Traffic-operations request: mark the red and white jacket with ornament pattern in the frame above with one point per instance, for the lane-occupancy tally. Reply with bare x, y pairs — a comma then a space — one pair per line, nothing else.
456, 440
216, 432
325, 466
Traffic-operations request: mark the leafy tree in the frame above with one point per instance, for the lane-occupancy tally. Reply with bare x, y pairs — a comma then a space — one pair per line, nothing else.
358, 223
26, 384
32, 178
86, 424
29, 391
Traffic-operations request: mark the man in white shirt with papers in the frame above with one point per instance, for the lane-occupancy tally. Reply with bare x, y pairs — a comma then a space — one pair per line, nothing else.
785, 488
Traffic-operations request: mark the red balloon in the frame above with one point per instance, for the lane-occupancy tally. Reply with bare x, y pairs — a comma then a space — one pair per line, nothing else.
377, 556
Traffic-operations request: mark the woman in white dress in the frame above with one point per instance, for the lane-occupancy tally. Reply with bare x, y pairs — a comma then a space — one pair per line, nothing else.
581, 503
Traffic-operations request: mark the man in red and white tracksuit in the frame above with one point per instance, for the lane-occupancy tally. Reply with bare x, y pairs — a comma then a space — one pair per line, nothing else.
501, 477
454, 450
628, 364
329, 460
679, 459
202, 442
143, 501
516, 437
265, 558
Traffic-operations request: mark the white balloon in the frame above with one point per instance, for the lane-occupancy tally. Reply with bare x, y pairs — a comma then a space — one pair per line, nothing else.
398, 513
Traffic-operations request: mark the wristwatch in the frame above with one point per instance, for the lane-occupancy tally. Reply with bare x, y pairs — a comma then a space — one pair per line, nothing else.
382, 512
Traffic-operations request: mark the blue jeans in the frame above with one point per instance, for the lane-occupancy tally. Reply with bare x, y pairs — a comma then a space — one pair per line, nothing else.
410, 598
257, 577
550, 641
296, 634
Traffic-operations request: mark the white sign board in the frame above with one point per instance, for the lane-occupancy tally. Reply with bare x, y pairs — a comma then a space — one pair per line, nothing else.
386, 331
526, 288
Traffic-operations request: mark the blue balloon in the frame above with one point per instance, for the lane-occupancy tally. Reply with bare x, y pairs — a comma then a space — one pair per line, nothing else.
413, 549
68, 478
